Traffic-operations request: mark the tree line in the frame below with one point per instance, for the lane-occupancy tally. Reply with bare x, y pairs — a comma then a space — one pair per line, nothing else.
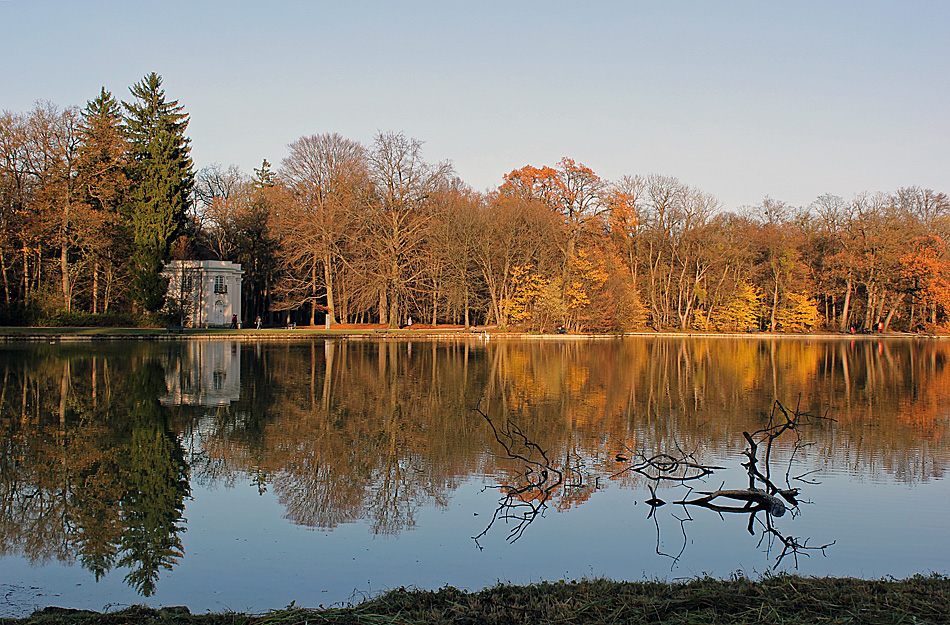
96, 200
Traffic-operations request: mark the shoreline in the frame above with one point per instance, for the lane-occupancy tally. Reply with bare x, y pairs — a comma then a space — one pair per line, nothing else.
792, 599
87, 334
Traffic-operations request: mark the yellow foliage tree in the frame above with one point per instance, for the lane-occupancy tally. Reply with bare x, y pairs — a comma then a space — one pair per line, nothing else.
631, 313
799, 313
527, 286
740, 312
587, 277
552, 305
700, 321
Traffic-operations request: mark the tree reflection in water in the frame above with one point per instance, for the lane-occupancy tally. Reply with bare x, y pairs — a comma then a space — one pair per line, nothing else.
155, 477
97, 456
92, 467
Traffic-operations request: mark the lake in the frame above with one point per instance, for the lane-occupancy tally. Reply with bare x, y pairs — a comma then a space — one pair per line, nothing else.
230, 475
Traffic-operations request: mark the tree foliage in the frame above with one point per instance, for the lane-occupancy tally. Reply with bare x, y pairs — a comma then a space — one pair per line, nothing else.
160, 169
94, 202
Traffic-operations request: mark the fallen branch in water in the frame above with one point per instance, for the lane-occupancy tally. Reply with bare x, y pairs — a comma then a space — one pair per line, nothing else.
763, 500
527, 497
522, 504
762, 494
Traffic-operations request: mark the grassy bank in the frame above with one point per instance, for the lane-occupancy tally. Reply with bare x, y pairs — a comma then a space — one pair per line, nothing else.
780, 599
105, 334
39, 332
34, 333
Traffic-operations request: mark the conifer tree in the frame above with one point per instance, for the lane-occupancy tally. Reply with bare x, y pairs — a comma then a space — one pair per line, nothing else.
104, 190
103, 153
257, 245
162, 177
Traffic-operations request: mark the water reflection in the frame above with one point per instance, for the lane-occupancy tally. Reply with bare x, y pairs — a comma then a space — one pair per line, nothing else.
92, 468
101, 443
207, 373
525, 499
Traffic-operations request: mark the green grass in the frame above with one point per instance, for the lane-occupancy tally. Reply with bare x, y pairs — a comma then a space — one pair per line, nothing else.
66, 332
780, 599
18, 331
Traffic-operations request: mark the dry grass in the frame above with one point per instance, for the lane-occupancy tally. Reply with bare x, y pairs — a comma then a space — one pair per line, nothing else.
779, 599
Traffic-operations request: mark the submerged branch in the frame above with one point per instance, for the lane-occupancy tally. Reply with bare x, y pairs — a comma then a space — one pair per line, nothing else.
536, 482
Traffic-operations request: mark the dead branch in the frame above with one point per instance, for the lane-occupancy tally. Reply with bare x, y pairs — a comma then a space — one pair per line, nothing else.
522, 504
760, 498
682, 467
539, 478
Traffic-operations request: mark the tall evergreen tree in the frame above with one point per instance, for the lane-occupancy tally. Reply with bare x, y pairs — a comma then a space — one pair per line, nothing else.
162, 176
103, 153
104, 190
257, 245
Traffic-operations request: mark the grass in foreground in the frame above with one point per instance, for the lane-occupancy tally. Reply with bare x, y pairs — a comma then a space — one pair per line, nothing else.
781, 599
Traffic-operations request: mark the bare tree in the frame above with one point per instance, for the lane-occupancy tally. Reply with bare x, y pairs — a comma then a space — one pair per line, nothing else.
513, 232
328, 176
928, 208
400, 216
53, 140
218, 193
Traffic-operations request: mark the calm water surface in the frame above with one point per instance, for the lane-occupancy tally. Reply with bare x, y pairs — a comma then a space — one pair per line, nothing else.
244, 476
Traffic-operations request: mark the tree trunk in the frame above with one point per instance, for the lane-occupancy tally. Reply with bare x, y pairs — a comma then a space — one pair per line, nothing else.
95, 287
871, 306
383, 307
26, 274
654, 297
39, 266
467, 323
328, 282
395, 309
313, 291
845, 308
64, 256
6, 283
882, 301
774, 306
892, 311
493, 294
64, 266
107, 291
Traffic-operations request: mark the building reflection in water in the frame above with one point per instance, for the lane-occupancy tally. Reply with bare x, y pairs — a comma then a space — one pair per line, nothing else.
207, 374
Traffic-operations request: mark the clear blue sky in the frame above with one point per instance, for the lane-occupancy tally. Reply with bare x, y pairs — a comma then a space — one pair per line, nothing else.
740, 99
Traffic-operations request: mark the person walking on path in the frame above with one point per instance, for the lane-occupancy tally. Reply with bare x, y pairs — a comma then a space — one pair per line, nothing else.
257, 323
234, 322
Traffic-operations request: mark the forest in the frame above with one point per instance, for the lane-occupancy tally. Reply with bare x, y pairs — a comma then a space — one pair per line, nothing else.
95, 200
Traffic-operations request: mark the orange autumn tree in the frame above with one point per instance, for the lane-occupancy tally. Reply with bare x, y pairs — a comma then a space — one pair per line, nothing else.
538, 183
573, 192
571, 189
925, 271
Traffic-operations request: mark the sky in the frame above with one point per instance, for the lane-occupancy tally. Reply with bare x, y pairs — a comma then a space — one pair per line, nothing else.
740, 99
